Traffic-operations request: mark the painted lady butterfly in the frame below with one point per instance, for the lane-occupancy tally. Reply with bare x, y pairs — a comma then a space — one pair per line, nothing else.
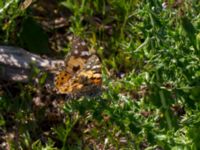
82, 73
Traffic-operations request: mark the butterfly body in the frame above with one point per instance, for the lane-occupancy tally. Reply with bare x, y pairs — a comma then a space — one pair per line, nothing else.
82, 73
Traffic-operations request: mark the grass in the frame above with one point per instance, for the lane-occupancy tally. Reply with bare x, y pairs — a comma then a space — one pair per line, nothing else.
150, 59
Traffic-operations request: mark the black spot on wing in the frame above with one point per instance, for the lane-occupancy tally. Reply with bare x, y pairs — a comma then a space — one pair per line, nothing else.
76, 68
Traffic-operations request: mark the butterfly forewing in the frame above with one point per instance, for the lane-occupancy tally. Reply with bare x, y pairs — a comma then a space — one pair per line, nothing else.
78, 55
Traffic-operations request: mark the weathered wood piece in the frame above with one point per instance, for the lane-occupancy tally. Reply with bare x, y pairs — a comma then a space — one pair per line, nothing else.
16, 64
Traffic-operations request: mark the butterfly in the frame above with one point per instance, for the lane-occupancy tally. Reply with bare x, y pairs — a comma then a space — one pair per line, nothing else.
81, 75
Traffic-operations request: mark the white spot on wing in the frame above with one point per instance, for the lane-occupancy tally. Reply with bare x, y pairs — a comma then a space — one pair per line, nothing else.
76, 52
96, 67
75, 46
83, 43
85, 53
88, 66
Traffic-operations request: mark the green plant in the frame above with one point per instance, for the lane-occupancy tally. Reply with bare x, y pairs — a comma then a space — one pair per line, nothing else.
150, 97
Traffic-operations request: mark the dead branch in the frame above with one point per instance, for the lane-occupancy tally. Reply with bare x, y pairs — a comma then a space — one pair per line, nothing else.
17, 64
